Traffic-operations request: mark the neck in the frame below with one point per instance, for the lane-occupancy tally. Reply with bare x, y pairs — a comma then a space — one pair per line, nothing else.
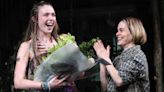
128, 46
44, 37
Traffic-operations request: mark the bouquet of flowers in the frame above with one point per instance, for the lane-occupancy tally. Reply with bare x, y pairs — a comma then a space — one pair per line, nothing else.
65, 58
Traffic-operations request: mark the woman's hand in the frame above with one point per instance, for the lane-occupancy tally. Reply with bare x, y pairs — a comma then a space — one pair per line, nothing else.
42, 47
101, 51
58, 83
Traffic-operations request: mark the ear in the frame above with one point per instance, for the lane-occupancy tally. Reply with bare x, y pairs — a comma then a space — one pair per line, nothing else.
33, 19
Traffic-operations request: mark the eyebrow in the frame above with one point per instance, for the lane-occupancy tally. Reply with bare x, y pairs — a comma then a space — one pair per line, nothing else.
120, 28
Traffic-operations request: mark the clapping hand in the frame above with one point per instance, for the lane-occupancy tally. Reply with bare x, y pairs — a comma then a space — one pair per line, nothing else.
101, 51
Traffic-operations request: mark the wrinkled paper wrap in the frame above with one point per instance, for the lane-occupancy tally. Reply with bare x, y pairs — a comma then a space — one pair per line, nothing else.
68, 59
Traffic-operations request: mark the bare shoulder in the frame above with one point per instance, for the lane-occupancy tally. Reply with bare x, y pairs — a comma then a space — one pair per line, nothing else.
25, 44
24, 49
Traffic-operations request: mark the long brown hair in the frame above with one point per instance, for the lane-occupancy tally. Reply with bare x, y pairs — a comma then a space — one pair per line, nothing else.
31, 32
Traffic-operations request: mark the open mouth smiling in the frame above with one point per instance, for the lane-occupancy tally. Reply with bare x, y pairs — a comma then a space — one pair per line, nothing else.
49, 24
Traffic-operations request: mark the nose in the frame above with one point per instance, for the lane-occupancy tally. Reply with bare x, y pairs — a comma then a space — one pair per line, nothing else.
117, 33
51, 19
51, 16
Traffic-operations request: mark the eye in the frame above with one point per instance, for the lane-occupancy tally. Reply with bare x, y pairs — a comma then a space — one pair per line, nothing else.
46, 14
53, 14
120, 30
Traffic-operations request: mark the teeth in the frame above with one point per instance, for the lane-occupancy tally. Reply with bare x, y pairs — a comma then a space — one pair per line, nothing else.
49, 23
118, 37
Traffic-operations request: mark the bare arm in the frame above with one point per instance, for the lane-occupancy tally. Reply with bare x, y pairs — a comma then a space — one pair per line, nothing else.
114, 74
20, 80
104, 53
103, 77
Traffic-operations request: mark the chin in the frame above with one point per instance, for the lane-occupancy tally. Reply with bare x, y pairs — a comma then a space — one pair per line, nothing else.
120, 44
49, 31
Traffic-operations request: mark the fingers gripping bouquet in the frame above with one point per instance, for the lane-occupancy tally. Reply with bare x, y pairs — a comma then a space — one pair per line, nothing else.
64, 58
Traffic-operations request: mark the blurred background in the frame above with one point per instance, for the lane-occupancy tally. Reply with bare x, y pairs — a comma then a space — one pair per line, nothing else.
85, 19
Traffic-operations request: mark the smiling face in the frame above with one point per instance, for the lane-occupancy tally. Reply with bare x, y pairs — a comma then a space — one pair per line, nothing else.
46, 19
124, 37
